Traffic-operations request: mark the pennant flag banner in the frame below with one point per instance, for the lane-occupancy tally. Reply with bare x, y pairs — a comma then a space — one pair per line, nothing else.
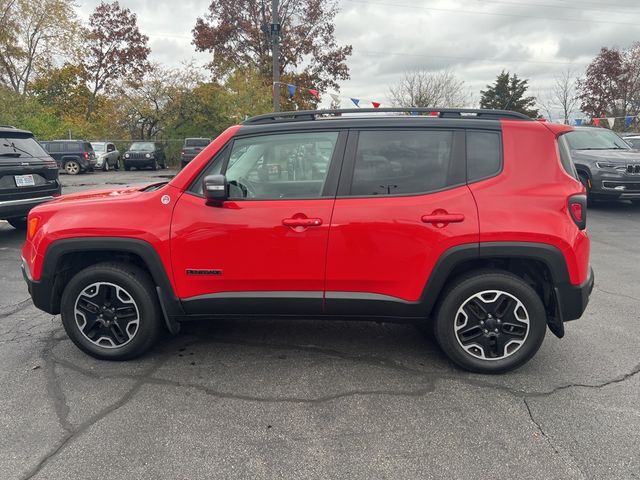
335, 97
375, 104
292, 90
596, 122
612, 122
356, 102
578, 122
314, 93
628, 121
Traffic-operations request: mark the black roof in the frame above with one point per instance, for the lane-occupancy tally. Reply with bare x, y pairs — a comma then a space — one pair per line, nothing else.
343, 114
14, 131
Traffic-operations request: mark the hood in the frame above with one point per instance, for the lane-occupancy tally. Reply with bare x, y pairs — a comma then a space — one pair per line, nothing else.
101, 195
613, 156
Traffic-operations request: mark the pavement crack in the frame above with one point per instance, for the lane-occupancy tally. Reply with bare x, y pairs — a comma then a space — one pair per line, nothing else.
615, 294
53, 386
6, 310
72, 433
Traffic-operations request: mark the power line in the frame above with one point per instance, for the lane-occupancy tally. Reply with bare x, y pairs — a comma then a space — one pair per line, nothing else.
495, 14
562, 7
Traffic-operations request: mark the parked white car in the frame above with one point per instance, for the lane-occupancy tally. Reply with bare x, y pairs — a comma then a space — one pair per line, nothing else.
107, 155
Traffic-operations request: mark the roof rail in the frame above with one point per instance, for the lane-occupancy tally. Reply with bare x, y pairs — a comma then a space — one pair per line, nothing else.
306, 115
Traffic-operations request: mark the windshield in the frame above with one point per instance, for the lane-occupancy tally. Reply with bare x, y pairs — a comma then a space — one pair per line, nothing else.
99, 146
142, 147
20, 147
197, 142
595, 139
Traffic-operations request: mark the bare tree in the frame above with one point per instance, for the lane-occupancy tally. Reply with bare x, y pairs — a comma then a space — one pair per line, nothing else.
32, 32
563, 97
421, 88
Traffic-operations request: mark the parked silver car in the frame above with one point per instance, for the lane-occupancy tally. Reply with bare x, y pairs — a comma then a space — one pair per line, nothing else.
107, 155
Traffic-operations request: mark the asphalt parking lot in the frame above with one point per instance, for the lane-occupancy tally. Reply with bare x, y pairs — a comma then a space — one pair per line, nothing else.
280, 399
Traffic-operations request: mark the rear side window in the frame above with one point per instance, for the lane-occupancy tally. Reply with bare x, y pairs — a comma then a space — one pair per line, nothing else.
565, 157
54, 147
20, 147
484, 154
402, 162
71, 147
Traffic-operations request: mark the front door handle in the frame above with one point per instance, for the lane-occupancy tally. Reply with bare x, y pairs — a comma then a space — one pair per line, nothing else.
302, 222
438, 218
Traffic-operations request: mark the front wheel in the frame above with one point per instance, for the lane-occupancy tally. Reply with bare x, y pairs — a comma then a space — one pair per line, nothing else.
72, 167
110, 311
105, 167
154, 165
490, 322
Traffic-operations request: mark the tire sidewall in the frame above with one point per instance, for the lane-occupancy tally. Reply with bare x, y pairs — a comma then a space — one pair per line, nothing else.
135, 286
454, 299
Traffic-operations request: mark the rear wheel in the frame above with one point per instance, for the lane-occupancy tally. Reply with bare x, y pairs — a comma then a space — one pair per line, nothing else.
490, 322
116, 166
111, 312
72, 167
18, 223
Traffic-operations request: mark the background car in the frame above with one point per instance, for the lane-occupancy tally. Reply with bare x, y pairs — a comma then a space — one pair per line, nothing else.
107, 155
634, 141
607, 165
28, 175
191, 148
145, 154
72, 156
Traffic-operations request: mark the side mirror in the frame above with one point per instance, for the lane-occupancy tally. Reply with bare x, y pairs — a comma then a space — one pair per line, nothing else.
215, 188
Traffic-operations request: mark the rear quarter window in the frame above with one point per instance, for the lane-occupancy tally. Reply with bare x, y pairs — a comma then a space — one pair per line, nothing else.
484, 154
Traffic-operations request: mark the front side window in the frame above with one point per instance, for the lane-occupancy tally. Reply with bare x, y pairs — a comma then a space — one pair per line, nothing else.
280, 166
398, 162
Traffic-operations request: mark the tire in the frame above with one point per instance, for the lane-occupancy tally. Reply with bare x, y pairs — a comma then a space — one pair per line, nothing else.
72, 167
127, 167
508, 318
18, 223
105, 167
116, 166
154, 165
133, 295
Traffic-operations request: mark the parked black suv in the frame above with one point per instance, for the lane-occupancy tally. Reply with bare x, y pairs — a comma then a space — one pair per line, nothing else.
28, 175
607, 166
145, 154
72, 156
191, 148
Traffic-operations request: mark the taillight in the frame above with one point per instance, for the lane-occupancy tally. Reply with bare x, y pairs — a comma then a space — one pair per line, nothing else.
578, 210
50, 163
86, 155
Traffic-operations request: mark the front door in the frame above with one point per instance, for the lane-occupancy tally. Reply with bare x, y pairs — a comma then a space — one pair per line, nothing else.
402, 202
264, 250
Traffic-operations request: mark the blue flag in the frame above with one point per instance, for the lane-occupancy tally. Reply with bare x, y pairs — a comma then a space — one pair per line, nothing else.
578, 122
292, 90
628, 121
356, 102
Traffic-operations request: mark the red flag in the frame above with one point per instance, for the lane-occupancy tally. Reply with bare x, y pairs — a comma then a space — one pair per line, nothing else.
596, 122
434, 114
314, 93
375, 104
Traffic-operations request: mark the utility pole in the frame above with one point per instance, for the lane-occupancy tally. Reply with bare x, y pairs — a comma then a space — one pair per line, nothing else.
275, 43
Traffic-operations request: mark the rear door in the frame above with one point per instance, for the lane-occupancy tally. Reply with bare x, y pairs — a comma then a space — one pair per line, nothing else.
263, 251
402, 202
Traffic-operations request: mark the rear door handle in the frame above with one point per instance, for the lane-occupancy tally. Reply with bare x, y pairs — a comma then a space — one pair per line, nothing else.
302, 222
443, 218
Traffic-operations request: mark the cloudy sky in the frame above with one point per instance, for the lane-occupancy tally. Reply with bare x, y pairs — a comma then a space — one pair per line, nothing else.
476, 39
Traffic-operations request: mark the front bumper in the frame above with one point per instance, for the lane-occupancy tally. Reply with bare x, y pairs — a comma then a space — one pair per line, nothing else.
572, 300
139, 162
615, 184
41, 292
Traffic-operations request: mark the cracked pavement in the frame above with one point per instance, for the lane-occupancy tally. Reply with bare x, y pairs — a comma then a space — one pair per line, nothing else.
311, 399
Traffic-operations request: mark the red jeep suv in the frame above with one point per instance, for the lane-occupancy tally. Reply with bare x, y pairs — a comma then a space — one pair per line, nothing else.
471, 219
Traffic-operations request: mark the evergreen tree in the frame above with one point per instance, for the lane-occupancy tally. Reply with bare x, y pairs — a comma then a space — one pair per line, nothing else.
509, 93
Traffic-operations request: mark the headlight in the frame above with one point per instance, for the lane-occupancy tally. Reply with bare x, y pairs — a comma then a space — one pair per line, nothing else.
126, 155
148, 155
606, 165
